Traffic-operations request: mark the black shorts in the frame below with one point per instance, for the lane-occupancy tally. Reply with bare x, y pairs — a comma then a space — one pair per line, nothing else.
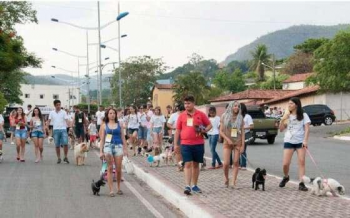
131, 131
288, 145
193, 153
79, 132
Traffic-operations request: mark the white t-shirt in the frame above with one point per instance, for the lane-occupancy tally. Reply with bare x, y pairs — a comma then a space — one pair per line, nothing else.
296, 129
143, 119
149, 115
99, 116
1, 122
158, 121
59, 119
133, 121
215, 122
29, 116
93, 129
247, 122
172, 121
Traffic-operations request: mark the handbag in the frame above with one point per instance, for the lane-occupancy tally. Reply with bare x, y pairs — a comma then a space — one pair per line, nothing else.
128, 166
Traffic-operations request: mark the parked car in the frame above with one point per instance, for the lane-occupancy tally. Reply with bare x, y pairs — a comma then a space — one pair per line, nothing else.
264, 127
320, 113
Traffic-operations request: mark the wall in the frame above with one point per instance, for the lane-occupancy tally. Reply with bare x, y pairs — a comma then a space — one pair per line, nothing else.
162, 98
340, 104
48, 91
293, 86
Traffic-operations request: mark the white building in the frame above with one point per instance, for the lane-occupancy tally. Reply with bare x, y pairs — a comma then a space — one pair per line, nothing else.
44, 95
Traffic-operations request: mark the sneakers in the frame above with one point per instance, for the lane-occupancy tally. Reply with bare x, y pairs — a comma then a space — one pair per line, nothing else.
284, 181
302, 187
243, 168
187, 190
58, 160
195, 189
66, 160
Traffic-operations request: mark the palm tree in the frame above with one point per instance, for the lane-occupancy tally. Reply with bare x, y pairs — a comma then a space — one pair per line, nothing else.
260, 56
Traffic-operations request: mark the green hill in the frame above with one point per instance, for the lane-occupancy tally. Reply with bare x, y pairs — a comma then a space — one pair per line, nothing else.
281, 42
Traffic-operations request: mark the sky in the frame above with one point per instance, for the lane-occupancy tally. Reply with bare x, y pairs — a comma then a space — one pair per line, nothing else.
162, 29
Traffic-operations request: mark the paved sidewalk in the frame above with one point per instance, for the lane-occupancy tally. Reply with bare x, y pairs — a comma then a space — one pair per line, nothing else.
246, 202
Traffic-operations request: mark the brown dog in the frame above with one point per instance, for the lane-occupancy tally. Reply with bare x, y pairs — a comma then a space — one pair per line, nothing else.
79, 153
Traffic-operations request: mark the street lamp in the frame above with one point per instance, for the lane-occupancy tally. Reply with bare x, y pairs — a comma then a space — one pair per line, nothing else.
273, 68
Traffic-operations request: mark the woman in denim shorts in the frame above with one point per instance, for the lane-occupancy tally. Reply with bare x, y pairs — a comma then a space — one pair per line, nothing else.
21, 134
157, 128
113, 147
133, 123
38, 133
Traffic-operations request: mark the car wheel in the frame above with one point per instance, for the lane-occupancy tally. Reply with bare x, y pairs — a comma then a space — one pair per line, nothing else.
271, 139
328, 121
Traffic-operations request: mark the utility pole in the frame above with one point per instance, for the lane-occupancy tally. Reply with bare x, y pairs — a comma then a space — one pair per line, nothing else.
87, 71
274, 71
119, 70
99, 52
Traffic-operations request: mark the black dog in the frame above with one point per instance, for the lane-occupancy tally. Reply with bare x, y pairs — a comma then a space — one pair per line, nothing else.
259, 179
95, 186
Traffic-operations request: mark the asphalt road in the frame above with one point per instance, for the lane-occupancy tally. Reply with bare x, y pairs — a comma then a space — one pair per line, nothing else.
47, 189
331, 155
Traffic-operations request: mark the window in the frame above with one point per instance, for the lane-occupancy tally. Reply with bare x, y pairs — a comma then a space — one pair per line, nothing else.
26, 95
41, 96
56, 97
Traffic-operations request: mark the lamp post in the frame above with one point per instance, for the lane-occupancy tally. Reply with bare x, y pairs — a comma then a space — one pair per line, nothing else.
273, 68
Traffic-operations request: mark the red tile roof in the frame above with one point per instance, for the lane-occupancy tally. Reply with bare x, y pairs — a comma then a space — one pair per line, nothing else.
252, 94
298, 78
307, 90
164, 86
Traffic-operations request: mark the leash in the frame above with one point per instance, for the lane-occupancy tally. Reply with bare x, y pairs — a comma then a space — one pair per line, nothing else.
313, 160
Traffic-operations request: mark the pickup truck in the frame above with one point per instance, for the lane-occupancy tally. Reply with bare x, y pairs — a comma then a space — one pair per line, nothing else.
264, 127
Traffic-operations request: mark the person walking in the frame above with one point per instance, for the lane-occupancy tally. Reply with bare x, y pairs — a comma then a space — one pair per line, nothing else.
79, 124
214, 137
132, 121
297, 126
92, 129
100, 114
21, 134
2, 135
39, 132
12, 116
190, 127
60, 121
113, 147
248, 125
172, 126
232, 131
142, 133
28, 113
157, 129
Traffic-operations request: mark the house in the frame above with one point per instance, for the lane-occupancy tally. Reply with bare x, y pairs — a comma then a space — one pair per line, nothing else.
162, 96
296, 82
44, 95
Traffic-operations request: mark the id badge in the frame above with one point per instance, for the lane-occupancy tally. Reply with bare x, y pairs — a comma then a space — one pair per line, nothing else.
80, 120
37, 123
234, 133
17, 127
109, 138
189, 121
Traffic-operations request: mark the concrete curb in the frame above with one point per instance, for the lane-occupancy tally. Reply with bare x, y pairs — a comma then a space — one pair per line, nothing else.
344, 138
189, 205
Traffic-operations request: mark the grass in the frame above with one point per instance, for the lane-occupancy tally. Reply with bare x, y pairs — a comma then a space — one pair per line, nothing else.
343, 132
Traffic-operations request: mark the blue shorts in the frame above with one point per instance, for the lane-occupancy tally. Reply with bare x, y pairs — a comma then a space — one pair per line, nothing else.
1, 136
37, 134
288, 145
114, 150
79, 132
193, 153
12, 129
60, 137
142, 133
21, 133
131, 131
157, 130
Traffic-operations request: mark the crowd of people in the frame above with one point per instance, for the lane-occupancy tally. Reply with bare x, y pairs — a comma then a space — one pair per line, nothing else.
118, 132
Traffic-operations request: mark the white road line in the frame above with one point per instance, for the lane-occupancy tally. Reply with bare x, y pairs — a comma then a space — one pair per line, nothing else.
139, 196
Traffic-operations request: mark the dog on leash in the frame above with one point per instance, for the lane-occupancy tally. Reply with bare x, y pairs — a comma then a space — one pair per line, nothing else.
79, 153
155, 160
71, 137
50, 140
321, 187
259, 179
96, 186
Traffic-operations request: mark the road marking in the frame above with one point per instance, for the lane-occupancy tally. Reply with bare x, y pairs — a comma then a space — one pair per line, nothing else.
139, 196
280, 178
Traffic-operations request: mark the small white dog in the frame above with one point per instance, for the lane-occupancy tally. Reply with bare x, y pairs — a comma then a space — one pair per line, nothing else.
321, 187
158, 159
80, 153
50, 140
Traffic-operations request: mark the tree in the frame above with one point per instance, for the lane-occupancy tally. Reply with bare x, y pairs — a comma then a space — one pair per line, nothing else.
194, 84
233, 82
269, 83
3, 102
13, 55
138, 75
242, 65
260, 56
332, 64
298, 63
310, 45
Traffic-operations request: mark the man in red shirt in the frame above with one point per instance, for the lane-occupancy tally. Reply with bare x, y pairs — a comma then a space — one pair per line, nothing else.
191, 124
